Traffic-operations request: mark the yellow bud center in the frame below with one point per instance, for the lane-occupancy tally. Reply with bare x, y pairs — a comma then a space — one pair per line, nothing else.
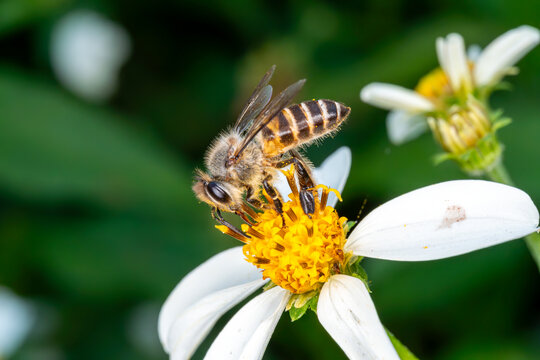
463, 127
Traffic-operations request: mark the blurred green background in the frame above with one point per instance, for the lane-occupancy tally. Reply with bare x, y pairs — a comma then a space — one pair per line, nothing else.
97, 219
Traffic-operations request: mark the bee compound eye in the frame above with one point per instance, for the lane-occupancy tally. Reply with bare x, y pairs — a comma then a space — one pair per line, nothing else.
217, 192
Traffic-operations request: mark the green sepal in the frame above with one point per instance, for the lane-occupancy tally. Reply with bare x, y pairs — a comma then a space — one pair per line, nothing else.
503, 85
500, 123
477, 160
355, 269
268, 286
296, 313
403, 352
442, 157
348, 226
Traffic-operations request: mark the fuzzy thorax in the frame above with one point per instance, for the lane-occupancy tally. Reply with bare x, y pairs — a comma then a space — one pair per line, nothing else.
248, 169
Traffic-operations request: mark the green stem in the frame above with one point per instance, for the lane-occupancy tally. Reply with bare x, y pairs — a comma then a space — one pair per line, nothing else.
499, 174
403, 352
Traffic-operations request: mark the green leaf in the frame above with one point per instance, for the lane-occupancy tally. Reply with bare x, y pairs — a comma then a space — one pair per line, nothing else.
110, 257
14, 14
55, 148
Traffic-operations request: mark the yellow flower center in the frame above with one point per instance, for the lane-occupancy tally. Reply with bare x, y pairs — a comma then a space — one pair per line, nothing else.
434, 85
298, 252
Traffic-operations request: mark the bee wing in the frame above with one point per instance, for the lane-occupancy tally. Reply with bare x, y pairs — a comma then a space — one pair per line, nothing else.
256, 102
268, 113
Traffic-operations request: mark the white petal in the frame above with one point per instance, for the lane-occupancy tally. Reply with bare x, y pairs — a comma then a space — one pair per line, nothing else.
452, 58
346, 311
191, 327
473, 52
444, 220
504, 52
247, 334
403, 126
282, 186
227, 269
393, 97
334, 172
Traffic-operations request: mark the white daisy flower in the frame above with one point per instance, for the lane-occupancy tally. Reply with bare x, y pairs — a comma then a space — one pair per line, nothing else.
312, 262
454, 97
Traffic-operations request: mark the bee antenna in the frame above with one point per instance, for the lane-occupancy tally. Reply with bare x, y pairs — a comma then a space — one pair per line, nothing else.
199, 175
361, 208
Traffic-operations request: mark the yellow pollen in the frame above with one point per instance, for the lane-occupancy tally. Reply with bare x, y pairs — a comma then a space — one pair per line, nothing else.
434, 85
301, 254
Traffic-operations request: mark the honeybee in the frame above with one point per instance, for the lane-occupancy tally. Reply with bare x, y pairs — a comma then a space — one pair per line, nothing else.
263, 140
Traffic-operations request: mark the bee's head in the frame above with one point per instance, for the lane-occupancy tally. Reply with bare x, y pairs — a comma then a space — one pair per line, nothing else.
220, 194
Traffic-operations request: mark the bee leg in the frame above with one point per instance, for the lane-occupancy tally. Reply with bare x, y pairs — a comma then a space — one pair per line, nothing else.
253, 201
305, 180
271, 191
281, 164
244, 217
232, 230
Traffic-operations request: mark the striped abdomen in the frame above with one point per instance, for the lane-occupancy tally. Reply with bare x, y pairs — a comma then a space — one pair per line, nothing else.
300, 124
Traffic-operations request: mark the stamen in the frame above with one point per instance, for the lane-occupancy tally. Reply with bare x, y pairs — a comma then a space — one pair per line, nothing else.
248, 210
300, 256
251, 231
244, 217
324, 187
292, 215
279, 247
262, 260
324, 199
289, 174
235, 234
267, 197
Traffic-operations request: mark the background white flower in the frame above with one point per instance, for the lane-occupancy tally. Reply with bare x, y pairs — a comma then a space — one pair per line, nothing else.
406, 121
17, 317
87, 52
437, 221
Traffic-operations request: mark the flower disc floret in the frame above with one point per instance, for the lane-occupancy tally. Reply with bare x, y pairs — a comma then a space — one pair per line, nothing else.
301, 253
